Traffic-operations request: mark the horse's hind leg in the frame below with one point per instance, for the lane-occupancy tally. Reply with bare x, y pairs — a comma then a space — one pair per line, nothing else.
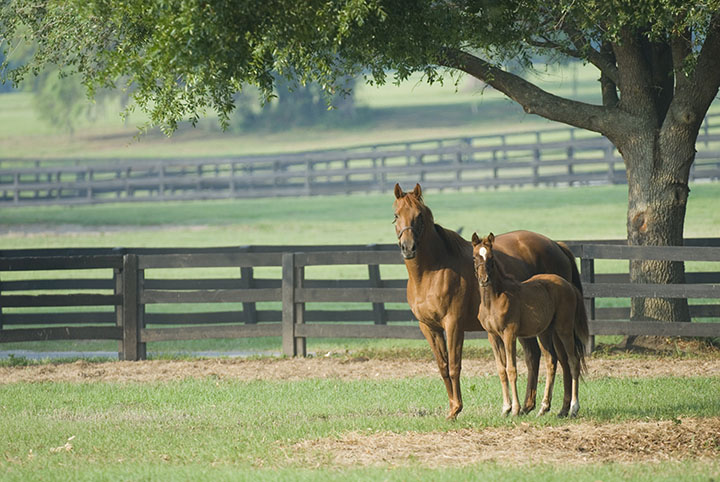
567, 377
532, 361
546, 345
565, 330
498, 349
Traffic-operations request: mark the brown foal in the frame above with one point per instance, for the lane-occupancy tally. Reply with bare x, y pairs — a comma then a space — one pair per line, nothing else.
546, 306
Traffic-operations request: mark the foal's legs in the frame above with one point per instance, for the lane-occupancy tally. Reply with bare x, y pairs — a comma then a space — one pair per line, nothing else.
498, 349
511, 368
546, 345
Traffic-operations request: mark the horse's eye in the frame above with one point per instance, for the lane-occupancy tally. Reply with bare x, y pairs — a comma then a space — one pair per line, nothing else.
395, 220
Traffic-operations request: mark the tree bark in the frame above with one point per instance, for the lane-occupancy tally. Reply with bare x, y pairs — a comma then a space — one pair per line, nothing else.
657, 201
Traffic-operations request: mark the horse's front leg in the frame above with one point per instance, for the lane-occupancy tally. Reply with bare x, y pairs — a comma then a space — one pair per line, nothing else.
437, 345
511, 368
454, 339
498, 349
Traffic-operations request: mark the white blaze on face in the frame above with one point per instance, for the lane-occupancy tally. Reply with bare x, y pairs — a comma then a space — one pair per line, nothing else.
483, 252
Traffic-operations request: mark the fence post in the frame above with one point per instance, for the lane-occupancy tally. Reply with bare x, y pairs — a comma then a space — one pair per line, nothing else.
587, 276
536, 166
379, 314
292, 312
130, 318
246, 282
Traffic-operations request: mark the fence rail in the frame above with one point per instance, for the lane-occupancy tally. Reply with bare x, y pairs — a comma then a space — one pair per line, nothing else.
552, 156
128, 295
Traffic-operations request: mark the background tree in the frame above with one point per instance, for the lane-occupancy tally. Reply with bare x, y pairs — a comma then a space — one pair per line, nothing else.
658, 64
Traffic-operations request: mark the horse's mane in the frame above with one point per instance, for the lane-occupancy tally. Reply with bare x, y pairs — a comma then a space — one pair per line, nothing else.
504, 281
454, 243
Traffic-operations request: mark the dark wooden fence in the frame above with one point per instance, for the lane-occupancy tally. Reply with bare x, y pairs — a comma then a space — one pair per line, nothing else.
553, 156
149, 295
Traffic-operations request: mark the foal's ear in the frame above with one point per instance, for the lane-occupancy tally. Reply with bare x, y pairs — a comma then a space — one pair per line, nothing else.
417, 191
491, 238
475, 239
398, 191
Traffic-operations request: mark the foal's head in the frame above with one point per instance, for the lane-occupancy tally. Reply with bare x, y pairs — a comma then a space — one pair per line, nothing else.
411, 217
483, 257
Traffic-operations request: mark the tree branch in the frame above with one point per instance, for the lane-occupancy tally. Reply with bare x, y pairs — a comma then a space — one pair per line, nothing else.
635, 77
705, 80
535, 100
603, 60
607, 85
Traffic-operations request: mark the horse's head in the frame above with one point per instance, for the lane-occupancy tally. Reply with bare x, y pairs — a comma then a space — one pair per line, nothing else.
483, 256
410, 219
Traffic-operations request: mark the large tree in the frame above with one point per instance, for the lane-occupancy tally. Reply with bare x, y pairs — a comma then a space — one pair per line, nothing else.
658, 64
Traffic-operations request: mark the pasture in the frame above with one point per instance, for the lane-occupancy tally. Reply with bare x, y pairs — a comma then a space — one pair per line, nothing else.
358, 410
346, 417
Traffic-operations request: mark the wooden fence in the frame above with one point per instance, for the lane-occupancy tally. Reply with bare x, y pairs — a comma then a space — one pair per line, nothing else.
553, 156
149, 295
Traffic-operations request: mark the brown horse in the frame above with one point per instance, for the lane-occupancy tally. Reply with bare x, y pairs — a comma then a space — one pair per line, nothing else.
546, 306
442, 287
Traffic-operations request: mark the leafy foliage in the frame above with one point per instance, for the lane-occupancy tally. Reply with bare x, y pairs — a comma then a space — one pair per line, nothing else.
184, 57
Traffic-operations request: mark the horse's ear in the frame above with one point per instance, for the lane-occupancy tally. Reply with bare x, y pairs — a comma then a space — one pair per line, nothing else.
491, 238
398, 191
475, 239
417, 191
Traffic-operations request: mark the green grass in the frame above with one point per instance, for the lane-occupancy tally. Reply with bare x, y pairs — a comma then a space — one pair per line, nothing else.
215, 428
562, 213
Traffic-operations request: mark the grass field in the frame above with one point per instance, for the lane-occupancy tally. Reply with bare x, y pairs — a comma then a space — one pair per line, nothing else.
221, 428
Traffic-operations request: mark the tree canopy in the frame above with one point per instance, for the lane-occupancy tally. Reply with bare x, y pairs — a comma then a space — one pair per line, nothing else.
183, 57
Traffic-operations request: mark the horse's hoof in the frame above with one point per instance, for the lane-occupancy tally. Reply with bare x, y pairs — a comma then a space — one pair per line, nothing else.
562, 414
574, 410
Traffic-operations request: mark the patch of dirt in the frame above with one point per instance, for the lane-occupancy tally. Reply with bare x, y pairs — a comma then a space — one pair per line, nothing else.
575, 444
344, 368
662, 346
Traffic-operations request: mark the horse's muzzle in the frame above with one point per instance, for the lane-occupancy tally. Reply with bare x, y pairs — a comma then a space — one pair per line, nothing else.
408, 252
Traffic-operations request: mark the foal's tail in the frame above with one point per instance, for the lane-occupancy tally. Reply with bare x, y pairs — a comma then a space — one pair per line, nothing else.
581, 330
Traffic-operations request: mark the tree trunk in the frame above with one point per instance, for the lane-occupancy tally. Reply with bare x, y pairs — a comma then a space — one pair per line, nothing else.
658, 166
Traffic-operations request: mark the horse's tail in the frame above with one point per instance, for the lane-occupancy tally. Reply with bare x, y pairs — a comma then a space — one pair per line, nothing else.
575, 273
581, 330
